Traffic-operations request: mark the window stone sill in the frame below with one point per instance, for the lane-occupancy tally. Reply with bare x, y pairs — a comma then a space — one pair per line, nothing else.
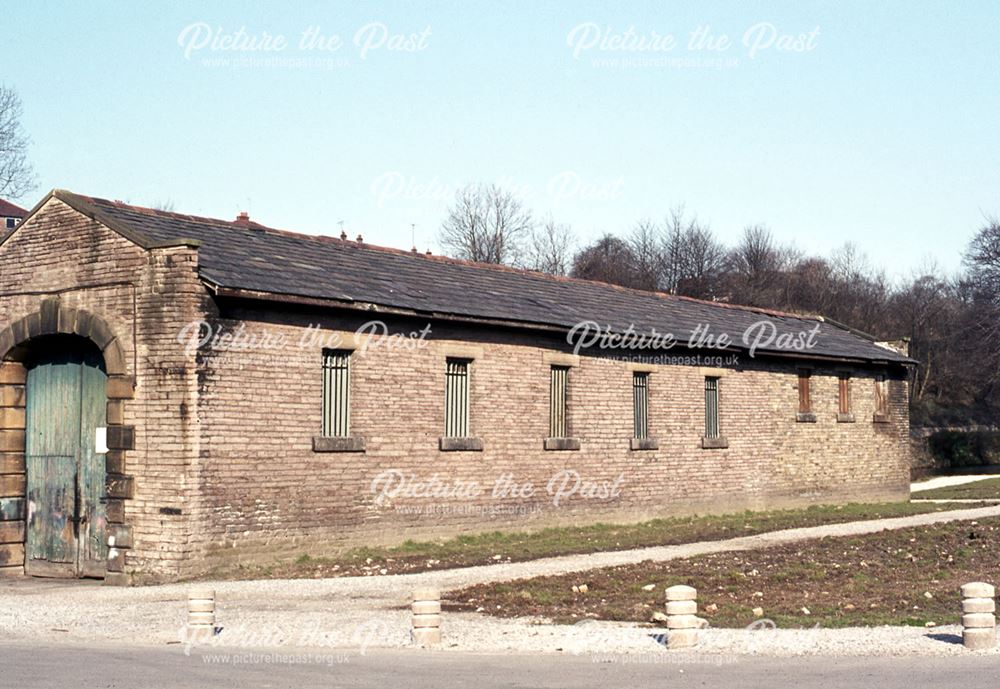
880, 418
714, 443
805, 417
330, 444
644, 444
562, 444
845, 418
460, 444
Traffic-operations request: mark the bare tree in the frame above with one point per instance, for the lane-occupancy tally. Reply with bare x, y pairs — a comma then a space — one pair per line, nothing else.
756, 262
860, 291
693, 261
646, 256
487, 224
979, 330
550, 249
925, 311
982, 261
811, 287
703, 263
672, 249
609, 259
17, 177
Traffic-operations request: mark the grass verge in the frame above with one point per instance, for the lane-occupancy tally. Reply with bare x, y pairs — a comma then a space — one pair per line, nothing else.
987, 489
902, 577
498, 546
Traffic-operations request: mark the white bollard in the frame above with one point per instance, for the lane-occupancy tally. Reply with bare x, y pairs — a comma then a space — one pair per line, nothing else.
979, 623
682, 617
201, 614
426, 609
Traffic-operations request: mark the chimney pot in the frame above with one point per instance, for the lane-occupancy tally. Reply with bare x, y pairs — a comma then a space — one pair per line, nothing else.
360, 239
243, 217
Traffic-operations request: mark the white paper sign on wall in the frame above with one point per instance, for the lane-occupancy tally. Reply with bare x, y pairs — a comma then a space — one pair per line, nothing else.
101, 441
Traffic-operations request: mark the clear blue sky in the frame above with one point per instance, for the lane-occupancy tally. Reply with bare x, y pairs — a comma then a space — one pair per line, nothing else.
881, 131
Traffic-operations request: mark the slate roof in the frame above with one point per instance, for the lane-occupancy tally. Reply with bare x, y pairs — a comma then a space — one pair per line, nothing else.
246, 256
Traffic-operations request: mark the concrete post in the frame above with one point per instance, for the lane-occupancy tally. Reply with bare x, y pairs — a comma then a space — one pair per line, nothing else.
201, 614
978, 616
682, 617
426, 617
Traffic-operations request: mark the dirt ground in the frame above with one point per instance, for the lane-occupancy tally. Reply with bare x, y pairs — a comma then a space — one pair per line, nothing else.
906, 577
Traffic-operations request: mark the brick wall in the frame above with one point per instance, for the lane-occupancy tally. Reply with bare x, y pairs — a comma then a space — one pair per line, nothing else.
267, 494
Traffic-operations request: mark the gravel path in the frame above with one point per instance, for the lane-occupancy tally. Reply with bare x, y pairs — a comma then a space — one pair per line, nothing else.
358, 612
947, 481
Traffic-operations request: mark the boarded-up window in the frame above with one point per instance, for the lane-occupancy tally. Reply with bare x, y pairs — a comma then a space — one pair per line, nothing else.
712, 408
805, 401
456, 398
640, 404
558, 394
845, 393
336, 393
881, 396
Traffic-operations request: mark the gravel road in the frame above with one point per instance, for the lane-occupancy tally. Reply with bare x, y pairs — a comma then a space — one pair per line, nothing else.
361, 612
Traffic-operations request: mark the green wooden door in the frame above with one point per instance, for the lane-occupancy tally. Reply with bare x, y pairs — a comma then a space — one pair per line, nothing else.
66, 404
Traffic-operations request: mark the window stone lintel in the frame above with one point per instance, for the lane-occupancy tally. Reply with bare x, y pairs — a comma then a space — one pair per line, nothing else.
561, 359
453, 351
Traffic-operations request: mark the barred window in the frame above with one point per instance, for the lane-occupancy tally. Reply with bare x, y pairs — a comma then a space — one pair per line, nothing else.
456, 398
712, 408
558, 389
336, 393
640, 404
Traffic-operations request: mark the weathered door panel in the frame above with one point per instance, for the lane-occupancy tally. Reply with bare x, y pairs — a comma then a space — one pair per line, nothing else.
51, 538
93, 519
66, 402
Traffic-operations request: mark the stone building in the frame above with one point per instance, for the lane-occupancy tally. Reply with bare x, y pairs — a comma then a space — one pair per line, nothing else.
180, 393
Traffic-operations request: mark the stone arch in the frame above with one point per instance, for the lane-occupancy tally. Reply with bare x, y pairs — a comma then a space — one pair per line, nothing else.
54, 318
